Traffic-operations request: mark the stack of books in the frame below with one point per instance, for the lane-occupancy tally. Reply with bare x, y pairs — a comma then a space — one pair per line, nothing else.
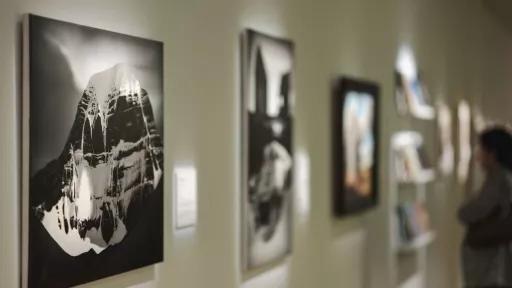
413, 221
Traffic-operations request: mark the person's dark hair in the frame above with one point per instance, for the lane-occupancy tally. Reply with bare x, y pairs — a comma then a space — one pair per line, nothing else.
497, 140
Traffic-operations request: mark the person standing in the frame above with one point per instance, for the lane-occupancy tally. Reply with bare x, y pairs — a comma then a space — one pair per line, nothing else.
487, 247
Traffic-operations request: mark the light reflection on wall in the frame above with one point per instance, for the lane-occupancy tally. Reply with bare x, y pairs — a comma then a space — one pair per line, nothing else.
184, 199
302, 184
447, 157
464, 115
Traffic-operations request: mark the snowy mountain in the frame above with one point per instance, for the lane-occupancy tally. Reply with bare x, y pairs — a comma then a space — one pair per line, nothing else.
90, 197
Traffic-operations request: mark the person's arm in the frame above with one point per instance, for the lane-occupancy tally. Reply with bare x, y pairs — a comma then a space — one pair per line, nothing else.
482, 205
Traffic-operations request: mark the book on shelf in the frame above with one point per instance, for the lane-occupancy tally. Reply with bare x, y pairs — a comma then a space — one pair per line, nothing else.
413, 221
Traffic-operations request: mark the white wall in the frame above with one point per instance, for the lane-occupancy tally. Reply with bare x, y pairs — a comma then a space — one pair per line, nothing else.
455, 42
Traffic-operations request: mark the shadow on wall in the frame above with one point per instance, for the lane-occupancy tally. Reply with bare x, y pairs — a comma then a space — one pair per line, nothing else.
501, 10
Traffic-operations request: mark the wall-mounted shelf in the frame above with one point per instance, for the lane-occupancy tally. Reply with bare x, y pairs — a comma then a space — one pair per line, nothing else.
409, 172
424, 112
420, 242
424, 177
410, 164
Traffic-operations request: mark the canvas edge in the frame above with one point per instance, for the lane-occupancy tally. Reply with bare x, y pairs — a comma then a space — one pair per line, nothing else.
293, 189
336, 142
25, 149
244, 39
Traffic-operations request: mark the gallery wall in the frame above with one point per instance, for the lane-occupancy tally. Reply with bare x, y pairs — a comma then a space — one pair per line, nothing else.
459, 46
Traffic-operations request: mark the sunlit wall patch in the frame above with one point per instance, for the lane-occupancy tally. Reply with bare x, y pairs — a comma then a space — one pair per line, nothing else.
464, 124
185, 197
447, 150
302, 183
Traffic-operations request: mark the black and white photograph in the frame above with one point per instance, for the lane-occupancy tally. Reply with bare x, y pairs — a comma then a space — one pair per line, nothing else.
92, 153
267, 81
355, 136
411, 161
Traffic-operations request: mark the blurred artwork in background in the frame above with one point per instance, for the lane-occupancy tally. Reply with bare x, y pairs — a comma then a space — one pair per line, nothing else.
355, 147
410, 159
464, 125
447, 151
411, 95
93, 158
267, 80
413, 221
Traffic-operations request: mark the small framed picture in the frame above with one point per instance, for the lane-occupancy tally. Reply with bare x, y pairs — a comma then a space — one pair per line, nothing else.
355, 145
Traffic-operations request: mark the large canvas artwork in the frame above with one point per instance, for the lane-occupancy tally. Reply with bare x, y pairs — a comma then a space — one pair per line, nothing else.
267, 65
93, 153
355, 139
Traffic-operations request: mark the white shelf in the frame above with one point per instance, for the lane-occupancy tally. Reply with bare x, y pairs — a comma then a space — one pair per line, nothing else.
424, 177
417, 244
423, 112
409, 272
406, 138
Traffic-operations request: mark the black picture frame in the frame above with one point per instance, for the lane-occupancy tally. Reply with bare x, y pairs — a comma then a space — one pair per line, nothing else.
345, 201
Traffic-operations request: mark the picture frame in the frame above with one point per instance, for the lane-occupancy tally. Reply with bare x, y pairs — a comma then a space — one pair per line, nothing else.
267, 148
355, 145
412, 96
93, 153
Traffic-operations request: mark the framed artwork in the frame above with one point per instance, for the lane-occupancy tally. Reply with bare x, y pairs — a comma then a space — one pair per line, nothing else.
411, 94
267, 81
92, 153
355, 145
412, 97
410, 160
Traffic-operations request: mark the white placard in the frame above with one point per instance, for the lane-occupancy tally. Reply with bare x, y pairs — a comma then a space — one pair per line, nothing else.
185, 197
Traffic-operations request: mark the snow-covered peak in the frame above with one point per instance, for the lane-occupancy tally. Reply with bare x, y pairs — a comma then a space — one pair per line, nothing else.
117, 79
